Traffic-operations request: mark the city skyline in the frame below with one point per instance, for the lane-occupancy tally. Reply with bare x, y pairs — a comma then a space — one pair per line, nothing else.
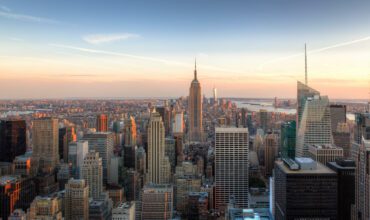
245, 49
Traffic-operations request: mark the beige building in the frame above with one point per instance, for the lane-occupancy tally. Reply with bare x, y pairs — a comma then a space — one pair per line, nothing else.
157, 202
325, 153
92, 172
46, 208
76, 200
45, 143
157, 163
271, 145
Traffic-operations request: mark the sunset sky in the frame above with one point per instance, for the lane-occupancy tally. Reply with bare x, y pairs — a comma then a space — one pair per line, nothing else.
63, 49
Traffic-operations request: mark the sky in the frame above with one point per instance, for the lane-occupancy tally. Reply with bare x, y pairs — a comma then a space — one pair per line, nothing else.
249, 48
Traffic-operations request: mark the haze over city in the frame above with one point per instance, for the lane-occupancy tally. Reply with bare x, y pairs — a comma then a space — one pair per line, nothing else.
147, 48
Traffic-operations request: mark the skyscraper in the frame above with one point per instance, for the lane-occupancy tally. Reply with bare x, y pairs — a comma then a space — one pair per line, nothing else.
102, 142
102, 123
315, 124
288, 139
231, 166
46, 208
130, 143
92, 172
303, 92
45, 142
345, 170
338, 115
195, 109
66, 135
215, 101
264, 119
76, 155
304, 189
178, 124
271, 145
156, 148
76, 200
13, 139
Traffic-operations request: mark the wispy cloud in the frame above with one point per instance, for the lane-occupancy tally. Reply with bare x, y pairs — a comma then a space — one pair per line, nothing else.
28, 18
343, 44
108, 38
4, 8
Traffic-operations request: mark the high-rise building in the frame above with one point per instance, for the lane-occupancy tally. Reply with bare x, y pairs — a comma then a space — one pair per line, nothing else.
130, 143
102, 142
338, 114
184, 185
156, 148
303, 92
66, 135
231, 166
197, 205
76, 155
76, 200
288, 139
179, 138
45, 143
195, 109
342, 138
178, 123
315, 124
325, 153
13, 139
304, 189
271, 150
25, 165
157, 202
92, 172
362, 210
46, 208
124, 211
101, 123
345, 170
215, 100
362, 127
263, 119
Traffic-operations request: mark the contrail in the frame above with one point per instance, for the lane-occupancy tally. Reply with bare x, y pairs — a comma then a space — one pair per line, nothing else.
169, 62
314, 51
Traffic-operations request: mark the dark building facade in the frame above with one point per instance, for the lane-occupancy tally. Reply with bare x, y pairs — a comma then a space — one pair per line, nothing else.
13, 139
288, 139
345, 170
337, 115
309, 193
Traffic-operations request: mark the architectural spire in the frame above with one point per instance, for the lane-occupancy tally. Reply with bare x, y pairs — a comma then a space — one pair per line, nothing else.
305, 64
195, 69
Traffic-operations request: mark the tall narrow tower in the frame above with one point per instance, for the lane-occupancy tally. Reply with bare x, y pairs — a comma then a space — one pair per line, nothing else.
195, 109
305, 64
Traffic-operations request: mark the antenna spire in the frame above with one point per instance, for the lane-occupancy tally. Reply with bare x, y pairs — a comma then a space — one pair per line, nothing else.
305, 64
195, 69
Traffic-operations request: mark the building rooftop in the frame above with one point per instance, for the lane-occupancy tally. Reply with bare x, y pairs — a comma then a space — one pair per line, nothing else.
8, 179
231, 129
324, 146
318, 169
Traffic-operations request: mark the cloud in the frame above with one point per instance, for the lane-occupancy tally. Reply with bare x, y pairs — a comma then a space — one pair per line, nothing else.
108, 38
28, 18
4, 8
343, 44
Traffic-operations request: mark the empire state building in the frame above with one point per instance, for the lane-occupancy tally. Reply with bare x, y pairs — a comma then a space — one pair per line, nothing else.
195, 109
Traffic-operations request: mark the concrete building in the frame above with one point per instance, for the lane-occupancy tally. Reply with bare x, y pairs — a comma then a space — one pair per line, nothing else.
263, 119
116, 164
197, 205
92, 172
325, 153
338, 114
157, 202
342, 138
76, 200
195, 109
44, 208
25, 165
124, 211
45, 143
183, 186
231, 166
271, 152
178, 123
304, 189
18, 214
288, 139
102, 142
130, 143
